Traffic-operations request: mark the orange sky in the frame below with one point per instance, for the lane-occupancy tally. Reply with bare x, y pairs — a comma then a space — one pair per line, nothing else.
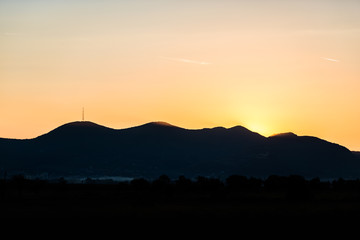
271, 66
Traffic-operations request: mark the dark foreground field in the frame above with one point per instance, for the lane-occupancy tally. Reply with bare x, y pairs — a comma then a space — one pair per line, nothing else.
237, 196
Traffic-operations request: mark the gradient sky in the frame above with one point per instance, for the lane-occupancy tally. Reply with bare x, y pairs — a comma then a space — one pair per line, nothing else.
269, 65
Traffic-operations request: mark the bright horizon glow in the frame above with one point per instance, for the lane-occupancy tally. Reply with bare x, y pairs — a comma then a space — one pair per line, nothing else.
271, 66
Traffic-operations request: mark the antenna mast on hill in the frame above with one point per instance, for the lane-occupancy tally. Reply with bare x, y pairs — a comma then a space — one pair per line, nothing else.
83, 114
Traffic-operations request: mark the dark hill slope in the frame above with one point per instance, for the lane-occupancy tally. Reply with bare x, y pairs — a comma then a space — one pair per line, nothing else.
85, 148
305, 155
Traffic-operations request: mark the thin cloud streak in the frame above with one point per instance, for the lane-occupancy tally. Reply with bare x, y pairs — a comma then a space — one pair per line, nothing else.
184, 60
330, 59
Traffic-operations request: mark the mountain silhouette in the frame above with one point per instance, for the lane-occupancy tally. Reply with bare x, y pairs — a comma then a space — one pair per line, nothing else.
149, 150
285, 135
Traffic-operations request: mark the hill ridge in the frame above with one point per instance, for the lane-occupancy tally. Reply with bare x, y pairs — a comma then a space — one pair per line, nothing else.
155, 148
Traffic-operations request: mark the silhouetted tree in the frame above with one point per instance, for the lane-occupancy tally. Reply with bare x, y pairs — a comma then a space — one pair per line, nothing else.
162, 184
183, 184
346, 185
89, 180
255, 184
19, 182
62, 181
275, 183
242, 183
339, 185
297, 188
354, 185
123, 186
209, 184
163, 179
37, 185
316, 185
237, 183
139, 184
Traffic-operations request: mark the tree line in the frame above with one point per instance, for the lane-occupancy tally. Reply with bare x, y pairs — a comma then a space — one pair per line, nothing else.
233, 183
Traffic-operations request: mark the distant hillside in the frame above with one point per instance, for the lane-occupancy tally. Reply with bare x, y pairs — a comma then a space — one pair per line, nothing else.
152, 149
357, 154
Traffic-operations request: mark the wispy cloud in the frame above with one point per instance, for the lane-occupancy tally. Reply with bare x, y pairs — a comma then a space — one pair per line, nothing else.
184, 60
330, 59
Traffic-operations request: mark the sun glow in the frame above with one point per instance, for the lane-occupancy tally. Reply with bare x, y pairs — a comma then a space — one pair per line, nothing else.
259, 128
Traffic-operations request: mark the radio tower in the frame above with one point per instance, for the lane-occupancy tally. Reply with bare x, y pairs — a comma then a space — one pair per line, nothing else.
83, 114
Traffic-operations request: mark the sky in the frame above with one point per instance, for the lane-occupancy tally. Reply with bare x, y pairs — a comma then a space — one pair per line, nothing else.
271, 66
